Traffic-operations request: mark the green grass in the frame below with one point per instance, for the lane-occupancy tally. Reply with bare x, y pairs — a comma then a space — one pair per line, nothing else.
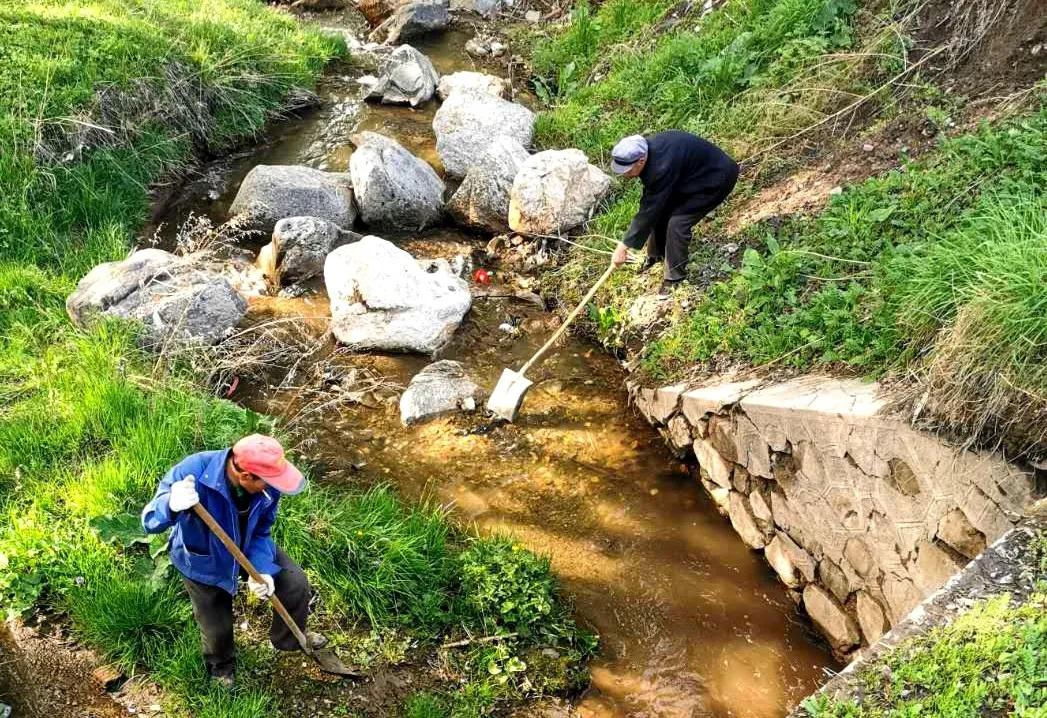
746, 72
991, 660
88, 422
425, 705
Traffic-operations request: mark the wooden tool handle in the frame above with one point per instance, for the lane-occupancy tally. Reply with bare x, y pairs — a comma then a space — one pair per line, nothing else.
252, 572
567, 322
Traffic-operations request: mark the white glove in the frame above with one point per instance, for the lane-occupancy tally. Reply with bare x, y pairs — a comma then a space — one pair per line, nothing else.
183, 494
264, 589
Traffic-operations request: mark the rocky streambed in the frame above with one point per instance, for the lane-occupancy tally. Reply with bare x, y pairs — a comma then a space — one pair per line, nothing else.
345, 276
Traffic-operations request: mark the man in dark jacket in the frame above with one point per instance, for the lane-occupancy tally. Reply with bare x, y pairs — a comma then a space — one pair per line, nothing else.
684, 178
241, 488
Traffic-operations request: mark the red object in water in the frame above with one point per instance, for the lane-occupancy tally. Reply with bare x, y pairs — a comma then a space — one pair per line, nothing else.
232, 386
481, 276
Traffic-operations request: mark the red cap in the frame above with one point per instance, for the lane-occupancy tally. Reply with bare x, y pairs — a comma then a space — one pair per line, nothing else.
264, 457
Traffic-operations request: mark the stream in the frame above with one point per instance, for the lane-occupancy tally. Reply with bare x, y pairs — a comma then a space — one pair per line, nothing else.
691, 622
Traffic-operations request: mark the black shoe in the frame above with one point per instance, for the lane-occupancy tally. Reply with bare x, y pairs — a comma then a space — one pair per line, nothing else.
668, 285
649, 263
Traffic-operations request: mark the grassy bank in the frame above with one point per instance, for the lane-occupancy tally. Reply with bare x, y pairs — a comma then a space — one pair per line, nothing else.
99, 99
927, 272
991, 660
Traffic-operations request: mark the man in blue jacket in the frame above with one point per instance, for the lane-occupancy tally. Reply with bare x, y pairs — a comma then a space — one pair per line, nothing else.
241, 488
684, 178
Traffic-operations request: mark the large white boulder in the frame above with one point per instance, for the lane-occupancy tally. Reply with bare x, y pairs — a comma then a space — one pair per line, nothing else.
270, 193
467, 122
393, 187
468, 80
482, 200
441, 388
175, 299
382, 298
555, 191
405, 77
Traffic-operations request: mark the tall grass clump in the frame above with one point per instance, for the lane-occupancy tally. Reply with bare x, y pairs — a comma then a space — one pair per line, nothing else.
130, 617
373, 556
974, 306
692, 73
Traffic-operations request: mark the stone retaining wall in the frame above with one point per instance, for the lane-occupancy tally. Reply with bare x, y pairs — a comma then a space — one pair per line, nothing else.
860, 515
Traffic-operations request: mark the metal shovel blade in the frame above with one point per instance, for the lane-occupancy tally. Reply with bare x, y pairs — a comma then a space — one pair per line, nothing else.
507, 396
330, 663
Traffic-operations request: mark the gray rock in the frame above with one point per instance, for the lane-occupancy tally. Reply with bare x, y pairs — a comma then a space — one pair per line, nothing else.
270, 193
902, 596
476, 81
712, 464
406, 76
441, 388
760, 507
835, 579
467, 122
793, 565
486, 8
829, 616
533, 16
678, 433
871, 618
412, 19
478, 47
172, 297
393, 187
555, 191
382, 298
933, 567
743, 522
300, 246
482, 200
955, 529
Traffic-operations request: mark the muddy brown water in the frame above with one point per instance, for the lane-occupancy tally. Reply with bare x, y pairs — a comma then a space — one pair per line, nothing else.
691, 622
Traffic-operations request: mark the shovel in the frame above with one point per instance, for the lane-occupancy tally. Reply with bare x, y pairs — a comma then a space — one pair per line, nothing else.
509, 393
324, 657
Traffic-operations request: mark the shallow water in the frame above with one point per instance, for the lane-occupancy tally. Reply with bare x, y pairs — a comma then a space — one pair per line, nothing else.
692, 623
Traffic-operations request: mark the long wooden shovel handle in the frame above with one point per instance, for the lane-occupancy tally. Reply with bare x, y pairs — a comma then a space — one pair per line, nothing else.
567, 322
252, 572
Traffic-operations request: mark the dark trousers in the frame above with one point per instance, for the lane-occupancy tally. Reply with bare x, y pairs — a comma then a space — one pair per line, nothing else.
213, 610
673, 233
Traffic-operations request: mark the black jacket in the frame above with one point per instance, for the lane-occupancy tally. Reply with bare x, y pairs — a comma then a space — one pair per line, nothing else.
679, 166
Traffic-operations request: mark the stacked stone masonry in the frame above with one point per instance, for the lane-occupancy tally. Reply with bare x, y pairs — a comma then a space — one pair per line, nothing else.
859, 514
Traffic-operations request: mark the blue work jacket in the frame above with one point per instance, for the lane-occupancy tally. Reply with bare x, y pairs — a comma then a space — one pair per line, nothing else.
194, 549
